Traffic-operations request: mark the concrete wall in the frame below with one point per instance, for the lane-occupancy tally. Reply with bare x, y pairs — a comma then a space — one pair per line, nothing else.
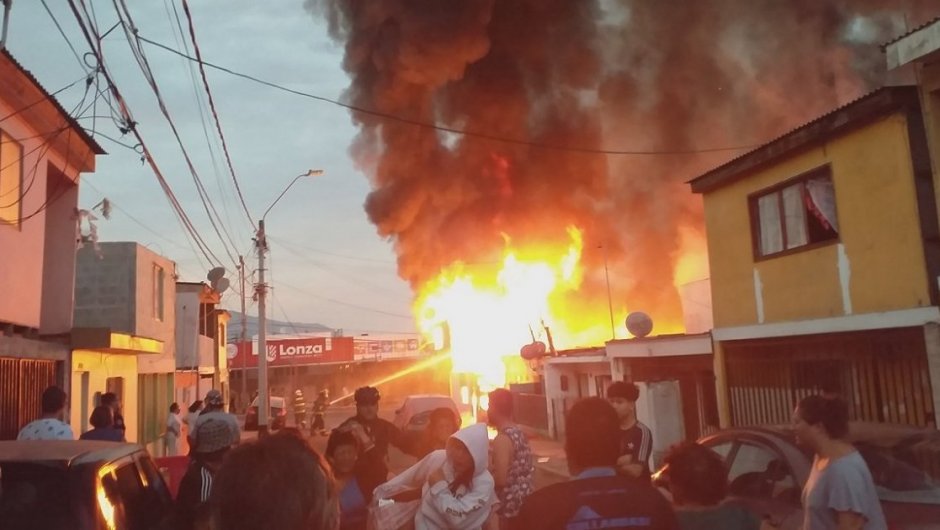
877, 265
186, 308
90, 372
148, 323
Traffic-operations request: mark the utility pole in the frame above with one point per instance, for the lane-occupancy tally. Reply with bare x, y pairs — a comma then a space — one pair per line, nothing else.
264, 405
610, 301
241, 341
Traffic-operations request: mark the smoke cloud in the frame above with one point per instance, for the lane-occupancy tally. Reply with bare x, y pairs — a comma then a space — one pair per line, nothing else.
665, 75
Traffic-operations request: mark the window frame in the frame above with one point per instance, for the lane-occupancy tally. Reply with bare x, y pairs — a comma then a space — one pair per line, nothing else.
19, 189
754, 214
159, 292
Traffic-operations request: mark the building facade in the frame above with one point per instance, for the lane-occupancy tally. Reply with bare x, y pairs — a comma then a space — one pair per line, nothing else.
43, 151
201, 343
125, 315
824, 257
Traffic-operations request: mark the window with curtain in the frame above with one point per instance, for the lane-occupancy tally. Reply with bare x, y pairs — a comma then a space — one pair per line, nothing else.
11, 180
798, 214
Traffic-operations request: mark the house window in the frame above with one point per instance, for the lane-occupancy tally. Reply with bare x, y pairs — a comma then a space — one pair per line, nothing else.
158, 298
11, 180
800, 213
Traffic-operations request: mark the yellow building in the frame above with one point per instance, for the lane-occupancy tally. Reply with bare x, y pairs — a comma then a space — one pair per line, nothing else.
824, 254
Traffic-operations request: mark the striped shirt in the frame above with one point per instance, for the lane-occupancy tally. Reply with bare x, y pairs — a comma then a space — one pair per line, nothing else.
638, 442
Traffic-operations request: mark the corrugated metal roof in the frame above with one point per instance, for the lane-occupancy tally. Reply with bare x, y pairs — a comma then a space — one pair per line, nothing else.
909, 33
859, 101
95, 147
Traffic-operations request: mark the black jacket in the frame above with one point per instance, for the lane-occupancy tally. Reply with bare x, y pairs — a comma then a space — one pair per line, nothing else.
372, 467
193, 494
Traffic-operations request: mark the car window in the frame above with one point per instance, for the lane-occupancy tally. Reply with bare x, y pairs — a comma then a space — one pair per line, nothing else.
723, 449
36, 495
758, 472
904, 472
157, 502
133, 505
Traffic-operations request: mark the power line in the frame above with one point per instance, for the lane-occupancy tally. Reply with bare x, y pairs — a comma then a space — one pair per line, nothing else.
347, 304
45, 98
131, 127
64, 36
215, 114
334, 254
460, 132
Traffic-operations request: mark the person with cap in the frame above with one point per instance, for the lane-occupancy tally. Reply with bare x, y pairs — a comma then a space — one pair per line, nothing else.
213, 440
372, 466
215, 411
300, 409
636, 439
110, 399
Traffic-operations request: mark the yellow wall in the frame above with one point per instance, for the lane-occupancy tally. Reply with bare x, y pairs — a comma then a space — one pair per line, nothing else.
930, 99
878, 220
101, 366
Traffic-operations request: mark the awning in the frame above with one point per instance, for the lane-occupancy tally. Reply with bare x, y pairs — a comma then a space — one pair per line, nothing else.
107, 341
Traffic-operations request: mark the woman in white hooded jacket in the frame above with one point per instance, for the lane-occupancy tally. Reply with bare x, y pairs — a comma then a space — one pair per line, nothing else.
457, 490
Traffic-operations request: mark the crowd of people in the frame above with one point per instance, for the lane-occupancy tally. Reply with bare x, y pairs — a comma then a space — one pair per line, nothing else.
464, 481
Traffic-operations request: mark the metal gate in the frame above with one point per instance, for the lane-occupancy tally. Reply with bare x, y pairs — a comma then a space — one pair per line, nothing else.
882, 374
22, 382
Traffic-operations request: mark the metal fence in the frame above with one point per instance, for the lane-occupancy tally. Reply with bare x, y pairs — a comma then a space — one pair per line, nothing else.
882, 374
22, 382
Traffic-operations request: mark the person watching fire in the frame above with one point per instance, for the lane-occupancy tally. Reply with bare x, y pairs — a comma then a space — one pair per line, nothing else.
377, 435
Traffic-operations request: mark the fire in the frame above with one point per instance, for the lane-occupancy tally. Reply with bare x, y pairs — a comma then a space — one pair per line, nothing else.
492, 310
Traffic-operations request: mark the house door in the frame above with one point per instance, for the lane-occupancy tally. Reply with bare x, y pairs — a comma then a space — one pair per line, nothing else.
84, 389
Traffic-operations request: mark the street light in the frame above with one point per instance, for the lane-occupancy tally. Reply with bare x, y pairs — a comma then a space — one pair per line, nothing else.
264, 407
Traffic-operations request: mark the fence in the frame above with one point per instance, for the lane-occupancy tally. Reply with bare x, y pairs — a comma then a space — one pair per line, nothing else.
22, 382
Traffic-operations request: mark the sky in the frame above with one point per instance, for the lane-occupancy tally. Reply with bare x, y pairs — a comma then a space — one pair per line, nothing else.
326, 263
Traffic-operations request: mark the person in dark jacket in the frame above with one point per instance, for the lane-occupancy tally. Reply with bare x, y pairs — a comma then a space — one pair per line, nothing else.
213, 441
596, 496
372, 467
110, 399
300, 409
319, 409
102, 419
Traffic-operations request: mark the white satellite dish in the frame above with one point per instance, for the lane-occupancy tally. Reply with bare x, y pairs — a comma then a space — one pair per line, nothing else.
231, 351
216, 274
221, 285
639, 324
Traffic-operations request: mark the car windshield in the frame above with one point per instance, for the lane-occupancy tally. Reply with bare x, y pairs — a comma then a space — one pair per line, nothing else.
44, 495
905, 471
276, 402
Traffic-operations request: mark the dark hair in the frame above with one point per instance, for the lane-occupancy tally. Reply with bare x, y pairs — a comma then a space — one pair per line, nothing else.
338, 439
102, 417
464, 479
367, 395
830, 412
443, 414
501, 402
623, 389
696, 474
195, 406
282, 466
592, 433
108, 399
175, 407
53, 400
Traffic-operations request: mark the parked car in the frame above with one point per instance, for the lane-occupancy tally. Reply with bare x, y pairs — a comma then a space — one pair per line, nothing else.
81, 485
415, 413
767, 471
277, 416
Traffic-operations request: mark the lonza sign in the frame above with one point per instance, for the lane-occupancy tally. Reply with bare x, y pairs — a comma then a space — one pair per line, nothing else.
291, 352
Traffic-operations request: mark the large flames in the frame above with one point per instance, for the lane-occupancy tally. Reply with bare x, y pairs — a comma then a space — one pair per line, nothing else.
492, 309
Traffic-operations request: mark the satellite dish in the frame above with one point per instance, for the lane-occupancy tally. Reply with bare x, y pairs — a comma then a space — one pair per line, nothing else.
221, 285
216, 274
231, 351
639, 324
533, 350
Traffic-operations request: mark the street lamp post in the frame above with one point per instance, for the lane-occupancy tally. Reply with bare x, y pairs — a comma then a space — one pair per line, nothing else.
261, 244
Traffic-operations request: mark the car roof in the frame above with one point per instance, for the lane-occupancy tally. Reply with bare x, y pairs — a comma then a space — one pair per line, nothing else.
67, 452
883, 434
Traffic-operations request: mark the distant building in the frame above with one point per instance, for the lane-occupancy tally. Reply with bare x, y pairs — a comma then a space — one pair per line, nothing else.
43, 151
201, 343
124, 340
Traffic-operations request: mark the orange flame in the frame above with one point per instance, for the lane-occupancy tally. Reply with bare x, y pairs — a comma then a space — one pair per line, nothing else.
492, 310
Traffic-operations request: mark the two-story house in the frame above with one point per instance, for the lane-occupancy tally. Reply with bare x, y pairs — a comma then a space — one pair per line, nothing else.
43, 151
824, 255
201, 342
124, 341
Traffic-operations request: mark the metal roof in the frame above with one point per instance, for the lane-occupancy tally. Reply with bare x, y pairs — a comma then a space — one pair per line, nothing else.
66, 452
839, 120
909, 33
92, 144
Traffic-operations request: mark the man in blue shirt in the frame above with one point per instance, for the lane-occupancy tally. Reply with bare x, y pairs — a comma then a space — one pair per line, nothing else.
596, 497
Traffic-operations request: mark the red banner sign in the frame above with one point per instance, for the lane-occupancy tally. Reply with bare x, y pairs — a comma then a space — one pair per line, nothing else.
295, 352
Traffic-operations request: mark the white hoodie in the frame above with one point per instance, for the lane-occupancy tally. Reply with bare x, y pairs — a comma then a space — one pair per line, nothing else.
440, 509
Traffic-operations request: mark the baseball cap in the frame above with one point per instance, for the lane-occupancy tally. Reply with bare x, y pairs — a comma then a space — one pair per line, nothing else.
213, 435
214, 398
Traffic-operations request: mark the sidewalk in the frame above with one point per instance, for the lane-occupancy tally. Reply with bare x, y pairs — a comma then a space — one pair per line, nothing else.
549, 456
